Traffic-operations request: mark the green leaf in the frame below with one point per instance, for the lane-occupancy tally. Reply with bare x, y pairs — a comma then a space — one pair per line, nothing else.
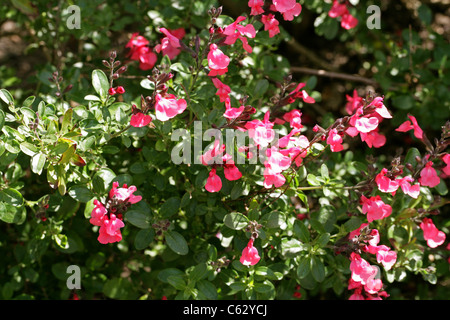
12, 197
322, 240
208, 289
274, 219
312, 180
143, 238
139, 219
199, 272
236, 191
6, 97
28, 101
291, 247
304, 267
317, 269
102, 180
12, 214
176, 242
352, 224
38, 162
411, 156
100, 83
67, 155
28, 148
301, 231
81, 193
67, 120
235, 220
324, 171
170, 207
260, 88
164, 275
177, 282
2, 119
264, 287
425, 14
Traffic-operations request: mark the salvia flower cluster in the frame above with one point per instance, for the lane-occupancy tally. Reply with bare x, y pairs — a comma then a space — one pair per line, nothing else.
285, 153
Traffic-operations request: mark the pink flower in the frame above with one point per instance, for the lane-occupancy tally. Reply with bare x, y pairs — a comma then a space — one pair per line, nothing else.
385, 184
134, 44
230, 170
270, 24
431, 234
446, 160
124, 194
411, 125
375, 208
357, 232
386, 257
277, 161
340, 10
335, 141
361, 270
348, 21
411, 190
110, 220
140, 120
223, 90
256, 7
250, 255
373, 139
356, 296
168, 106
170, 45
373, 286
217, 61
380, 108
110, 230
337, 9
289, 8
213, 182
297, 94
139, 51
236, 31
214, 154
366, 125
98, 213
272, 178
261, 131
147, 58
232, 113
354, 102
428, 176
297, 147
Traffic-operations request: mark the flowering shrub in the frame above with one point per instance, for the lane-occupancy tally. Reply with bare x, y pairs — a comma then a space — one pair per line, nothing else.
184, 164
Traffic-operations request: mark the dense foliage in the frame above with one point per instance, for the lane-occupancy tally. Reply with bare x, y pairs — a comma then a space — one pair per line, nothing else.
224, 150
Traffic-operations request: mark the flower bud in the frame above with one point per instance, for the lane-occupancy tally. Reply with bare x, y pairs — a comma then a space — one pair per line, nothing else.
122, 69
120, 90
68, 88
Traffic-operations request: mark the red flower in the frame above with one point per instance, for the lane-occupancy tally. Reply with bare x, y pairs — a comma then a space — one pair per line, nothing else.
250, 255
411, 125
428, 176
217, 61
431, 234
